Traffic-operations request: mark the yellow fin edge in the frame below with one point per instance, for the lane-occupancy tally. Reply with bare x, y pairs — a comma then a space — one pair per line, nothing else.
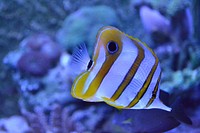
111, 103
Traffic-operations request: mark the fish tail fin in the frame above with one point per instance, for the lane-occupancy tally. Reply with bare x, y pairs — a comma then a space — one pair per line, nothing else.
179, 113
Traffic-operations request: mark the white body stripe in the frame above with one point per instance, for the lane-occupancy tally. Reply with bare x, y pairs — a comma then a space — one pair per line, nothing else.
118, 70
137, 82
156, 103
144, 100
99, 62
101, 58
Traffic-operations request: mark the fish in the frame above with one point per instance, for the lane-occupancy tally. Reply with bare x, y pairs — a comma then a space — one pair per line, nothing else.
123, 72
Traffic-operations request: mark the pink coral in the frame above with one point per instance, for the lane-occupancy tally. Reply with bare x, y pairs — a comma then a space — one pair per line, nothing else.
41, 54
153, 20
44, 44
34, 63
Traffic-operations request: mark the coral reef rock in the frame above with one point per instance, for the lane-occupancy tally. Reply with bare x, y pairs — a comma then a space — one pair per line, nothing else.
82, 26
39, 54
14, 124
33, 63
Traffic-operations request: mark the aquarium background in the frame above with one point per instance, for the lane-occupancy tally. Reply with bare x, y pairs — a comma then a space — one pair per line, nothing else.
38, 37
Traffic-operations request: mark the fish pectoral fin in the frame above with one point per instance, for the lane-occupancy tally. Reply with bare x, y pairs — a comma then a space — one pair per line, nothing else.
80, 59
112, 103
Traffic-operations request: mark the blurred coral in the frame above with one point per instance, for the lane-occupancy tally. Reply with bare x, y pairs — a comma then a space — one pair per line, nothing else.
182, 24
44, 44
153, 21
181, 80
12, 58
53, 87
40, 53
169, 21
82, 26
155, 24
43, 71
58, 121
14, 124
34, 63
91, 118
196, 19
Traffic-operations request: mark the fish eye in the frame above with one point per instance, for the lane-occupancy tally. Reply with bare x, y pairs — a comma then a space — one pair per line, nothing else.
89, 64
112, 47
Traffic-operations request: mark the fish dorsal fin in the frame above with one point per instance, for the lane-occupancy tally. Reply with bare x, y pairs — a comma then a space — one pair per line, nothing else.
143, 43
80, 59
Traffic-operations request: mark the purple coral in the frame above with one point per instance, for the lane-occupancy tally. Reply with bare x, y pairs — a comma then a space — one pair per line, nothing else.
58, 120
182, 24
41, 53
44, 44
34, 63
153, 21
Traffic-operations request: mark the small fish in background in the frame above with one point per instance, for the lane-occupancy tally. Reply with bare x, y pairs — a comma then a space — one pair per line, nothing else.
124, 72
